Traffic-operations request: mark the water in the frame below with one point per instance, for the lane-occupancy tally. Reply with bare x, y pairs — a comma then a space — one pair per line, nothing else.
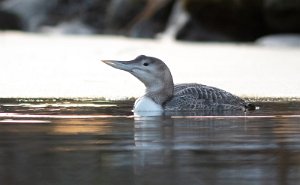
69, 141
265, 72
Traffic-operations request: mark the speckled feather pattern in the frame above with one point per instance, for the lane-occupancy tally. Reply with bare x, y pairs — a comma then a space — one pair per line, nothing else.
201, 97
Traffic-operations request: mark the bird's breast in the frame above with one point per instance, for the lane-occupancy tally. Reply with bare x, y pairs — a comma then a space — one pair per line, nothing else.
146, 104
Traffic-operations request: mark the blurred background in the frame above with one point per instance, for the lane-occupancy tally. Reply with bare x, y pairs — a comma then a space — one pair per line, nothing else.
53, 48
186, 20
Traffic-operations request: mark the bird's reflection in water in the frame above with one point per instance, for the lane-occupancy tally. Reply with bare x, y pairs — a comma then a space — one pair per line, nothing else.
161, 138
155, 130
154, 114
154, 142
152, 131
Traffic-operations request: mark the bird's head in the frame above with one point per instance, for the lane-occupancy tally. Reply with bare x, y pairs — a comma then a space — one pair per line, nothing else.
153, 72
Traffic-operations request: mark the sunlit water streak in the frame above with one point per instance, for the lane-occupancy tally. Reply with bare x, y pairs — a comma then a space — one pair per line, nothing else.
70, 66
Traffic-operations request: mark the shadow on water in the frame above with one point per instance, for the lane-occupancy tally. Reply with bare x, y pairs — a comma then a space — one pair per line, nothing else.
62, 141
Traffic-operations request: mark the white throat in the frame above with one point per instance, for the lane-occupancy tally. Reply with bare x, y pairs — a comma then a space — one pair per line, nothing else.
146, 104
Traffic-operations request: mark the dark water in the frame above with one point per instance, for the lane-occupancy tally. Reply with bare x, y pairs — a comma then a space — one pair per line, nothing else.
56, 141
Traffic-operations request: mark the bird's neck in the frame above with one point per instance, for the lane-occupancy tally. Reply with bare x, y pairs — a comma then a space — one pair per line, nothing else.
160, 92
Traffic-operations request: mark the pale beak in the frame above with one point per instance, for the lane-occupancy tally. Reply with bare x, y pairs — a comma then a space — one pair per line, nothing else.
123, 65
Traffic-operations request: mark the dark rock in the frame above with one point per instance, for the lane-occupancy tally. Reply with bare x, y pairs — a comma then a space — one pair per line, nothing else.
193, 31
9, 21
121, 14
125, 17
144, 18
240, 20
210, 20
91, 13
31, 12
155, 22
283, 15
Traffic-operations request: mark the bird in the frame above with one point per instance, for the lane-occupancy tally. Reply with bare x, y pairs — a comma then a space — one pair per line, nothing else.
162, 95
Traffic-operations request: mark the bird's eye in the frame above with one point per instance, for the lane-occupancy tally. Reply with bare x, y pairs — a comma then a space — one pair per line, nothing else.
145, 64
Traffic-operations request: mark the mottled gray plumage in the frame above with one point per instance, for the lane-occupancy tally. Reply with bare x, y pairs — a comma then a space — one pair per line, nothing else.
192, 96
158, 80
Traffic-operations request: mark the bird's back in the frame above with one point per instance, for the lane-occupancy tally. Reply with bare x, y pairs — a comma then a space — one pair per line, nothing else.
201, 97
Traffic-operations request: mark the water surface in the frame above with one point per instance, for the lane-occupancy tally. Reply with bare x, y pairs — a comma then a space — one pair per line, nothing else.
89, 141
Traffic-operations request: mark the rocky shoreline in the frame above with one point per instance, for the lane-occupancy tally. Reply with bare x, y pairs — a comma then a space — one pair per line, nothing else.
207, 20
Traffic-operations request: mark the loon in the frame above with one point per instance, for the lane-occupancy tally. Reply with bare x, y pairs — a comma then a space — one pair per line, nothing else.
162, 95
